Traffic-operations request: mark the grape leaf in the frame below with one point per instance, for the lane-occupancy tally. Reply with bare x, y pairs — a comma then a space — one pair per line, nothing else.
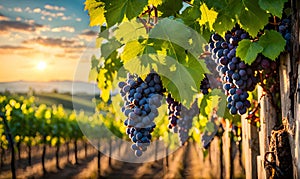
216, 4
128, 31
207, 16
109, 47
172, 31
176, 78
94, 62
248, 50
132, 50
223, 23
96, 12
170, 7
117, 9
191, 16
273, 44
252, 18
275, 7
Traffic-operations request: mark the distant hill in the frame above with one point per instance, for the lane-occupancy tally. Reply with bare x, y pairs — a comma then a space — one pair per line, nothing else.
73, 87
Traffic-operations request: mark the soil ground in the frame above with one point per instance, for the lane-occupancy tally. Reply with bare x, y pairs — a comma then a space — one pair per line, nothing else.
186, 162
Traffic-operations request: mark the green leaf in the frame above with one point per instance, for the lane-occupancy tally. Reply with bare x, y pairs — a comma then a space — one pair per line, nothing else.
248, 50
223, 23
191, 16
253, 18
172, 31
216, 4
273, 44
176, 78
96, 12
275, 7
109, 47
129, 31
210, 126
170, 7
116, 10
94, 62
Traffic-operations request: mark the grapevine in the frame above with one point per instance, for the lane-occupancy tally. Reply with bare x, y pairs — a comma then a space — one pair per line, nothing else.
242, 47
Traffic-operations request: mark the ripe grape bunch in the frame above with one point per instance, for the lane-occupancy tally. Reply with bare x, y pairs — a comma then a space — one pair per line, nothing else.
181, 118
174, 109
141, 100
185, 123
285, 29
204, 86
238, 78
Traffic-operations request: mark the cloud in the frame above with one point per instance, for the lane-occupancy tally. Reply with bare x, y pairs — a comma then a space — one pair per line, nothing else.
27, 9
78, 19
56, 8
88, 35
54, 42
88, 32
8, 26
64, 28
37, 10
9, 49
51, 14
64, 18
17, 9
3, 17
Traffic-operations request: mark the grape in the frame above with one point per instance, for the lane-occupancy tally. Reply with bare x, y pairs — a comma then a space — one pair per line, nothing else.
138, 153
237, 77
172, 104
180, 118
205, 86
185, 123
141, 100
285, 29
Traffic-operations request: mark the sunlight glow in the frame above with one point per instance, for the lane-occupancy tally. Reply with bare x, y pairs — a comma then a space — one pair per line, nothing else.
41, 65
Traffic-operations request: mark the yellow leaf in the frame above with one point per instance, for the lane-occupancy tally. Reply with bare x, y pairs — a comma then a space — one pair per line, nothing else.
207, 16
105, 94
155, 2
93, 74
104, 85
96, 12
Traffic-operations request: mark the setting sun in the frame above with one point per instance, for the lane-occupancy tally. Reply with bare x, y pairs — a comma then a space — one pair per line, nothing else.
41, 65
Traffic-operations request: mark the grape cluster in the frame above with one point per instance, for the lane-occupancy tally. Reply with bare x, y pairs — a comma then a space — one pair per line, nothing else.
184, 124
141, 100
204, 86
237, 77
285, 29
265, 66
174, 109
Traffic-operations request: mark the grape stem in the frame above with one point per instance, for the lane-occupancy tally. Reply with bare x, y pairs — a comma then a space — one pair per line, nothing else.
147, 23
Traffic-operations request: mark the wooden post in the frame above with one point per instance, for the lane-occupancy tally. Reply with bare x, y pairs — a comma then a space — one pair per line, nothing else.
295, 85
250, 148
227, 150
268, 118
297, 131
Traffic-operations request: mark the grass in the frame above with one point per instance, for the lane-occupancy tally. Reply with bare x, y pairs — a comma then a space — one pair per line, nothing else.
67, 100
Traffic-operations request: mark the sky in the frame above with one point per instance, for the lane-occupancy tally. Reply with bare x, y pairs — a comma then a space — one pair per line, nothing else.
45, 40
